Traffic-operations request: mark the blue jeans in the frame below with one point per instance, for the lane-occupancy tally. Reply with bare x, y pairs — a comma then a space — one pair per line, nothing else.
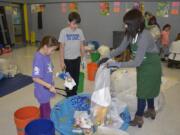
141, 104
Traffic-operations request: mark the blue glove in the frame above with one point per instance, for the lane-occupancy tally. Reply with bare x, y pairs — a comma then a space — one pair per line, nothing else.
113, 64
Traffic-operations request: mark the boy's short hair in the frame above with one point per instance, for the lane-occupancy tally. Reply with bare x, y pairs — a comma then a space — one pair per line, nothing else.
74, 16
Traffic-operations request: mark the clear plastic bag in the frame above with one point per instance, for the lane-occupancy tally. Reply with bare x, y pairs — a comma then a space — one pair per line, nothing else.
124, 88
101, 94
101, 98
113, 119
7, 68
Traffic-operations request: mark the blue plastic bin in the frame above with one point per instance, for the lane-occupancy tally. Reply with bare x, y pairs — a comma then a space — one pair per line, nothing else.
40, 127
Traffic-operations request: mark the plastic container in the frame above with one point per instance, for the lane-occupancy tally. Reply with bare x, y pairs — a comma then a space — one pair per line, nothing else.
95, 56
81, 83
91, 69
40, 127
25, 115
96, 44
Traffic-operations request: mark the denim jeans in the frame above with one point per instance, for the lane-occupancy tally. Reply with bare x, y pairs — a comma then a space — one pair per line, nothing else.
141, 104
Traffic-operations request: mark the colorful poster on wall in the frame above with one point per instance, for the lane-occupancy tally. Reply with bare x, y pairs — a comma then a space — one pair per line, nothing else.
175, 4
175, 8
116, 7
37, 8
63, 8
104, 8
163, 9
73, 7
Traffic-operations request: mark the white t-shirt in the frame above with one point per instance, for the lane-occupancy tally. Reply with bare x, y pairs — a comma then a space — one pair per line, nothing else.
72, 39
175, 51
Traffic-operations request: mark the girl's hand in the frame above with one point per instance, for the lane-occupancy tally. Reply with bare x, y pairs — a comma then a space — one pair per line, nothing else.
52, 89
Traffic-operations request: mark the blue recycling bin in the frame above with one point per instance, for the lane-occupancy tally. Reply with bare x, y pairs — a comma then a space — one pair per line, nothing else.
40, 127
63, 112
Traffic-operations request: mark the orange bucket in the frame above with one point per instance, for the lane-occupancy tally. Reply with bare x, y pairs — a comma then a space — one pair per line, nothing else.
25, 115
92, 68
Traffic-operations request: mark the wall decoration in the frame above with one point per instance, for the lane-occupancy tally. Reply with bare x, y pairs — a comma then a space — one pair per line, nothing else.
35, 8
175, 8
163, 9
116, 7
104, 8
73, 7
63, 8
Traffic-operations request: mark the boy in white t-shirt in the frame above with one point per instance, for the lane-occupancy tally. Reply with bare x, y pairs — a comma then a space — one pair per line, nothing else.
72, 49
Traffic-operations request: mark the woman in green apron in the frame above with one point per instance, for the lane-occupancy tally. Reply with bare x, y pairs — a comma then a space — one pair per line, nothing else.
146, 60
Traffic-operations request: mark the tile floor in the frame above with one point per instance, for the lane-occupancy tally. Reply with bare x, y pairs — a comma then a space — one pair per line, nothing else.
166, 123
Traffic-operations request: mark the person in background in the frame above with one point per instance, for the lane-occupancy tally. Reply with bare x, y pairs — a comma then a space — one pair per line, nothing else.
174, 52
164, 51
155, 29
42, 74
147, 16
145, 59
72, 49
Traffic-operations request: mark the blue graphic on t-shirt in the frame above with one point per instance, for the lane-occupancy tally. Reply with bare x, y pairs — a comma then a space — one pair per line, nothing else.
72, 36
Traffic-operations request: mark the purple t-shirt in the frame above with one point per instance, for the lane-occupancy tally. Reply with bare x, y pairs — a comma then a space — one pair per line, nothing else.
43, 69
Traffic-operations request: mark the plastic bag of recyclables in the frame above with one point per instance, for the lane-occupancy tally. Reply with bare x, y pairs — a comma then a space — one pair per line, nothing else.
123, 86
103, 50
101, 98
7, 68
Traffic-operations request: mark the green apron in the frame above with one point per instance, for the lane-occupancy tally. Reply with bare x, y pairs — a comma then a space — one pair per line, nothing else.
148, 75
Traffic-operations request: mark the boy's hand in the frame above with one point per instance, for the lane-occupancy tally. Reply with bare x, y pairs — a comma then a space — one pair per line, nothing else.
52, 89
63, 66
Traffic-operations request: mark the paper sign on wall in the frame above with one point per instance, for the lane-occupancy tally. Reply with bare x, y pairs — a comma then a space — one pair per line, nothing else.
37, 8
163, 9
104, 8
175, 8
73, 7
175, 4
116, 7
63, 7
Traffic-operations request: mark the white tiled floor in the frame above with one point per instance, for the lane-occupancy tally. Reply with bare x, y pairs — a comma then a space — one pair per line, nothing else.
166, 123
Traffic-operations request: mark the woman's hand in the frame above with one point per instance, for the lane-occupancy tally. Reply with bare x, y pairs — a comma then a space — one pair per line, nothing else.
102, 61
113, 64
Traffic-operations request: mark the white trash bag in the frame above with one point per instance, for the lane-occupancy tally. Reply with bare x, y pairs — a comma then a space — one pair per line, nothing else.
124, 88
101, 98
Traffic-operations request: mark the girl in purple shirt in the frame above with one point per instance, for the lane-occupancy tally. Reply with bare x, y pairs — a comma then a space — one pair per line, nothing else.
43, 74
